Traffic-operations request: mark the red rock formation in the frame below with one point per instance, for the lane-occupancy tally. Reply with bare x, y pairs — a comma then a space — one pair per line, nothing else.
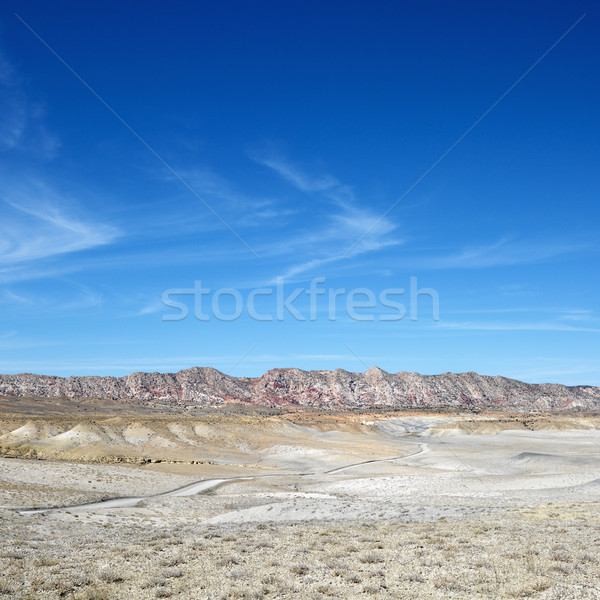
322, 389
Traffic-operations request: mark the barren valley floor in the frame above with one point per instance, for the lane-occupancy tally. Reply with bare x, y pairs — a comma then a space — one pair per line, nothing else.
299, 505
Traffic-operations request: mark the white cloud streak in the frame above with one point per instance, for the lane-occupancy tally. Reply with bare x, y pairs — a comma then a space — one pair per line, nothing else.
78, 297
326, 244
294, 175
37, 224
507, 251
496, 326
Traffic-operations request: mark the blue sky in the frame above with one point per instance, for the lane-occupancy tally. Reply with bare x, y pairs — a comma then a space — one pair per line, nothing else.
144, 147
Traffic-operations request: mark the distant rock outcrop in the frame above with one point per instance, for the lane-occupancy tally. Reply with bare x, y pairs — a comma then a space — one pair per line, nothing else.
321, 389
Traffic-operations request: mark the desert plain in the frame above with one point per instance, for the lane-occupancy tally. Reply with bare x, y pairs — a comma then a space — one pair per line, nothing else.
121, 501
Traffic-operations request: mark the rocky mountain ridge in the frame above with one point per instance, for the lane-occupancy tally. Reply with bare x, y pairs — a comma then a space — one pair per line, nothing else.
321, 389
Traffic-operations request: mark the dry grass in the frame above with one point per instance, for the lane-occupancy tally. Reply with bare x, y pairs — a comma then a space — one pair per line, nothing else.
545, 553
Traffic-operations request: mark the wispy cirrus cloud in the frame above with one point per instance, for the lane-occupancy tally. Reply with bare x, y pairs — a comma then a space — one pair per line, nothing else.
343, 221
154, 306
38, 223
296, 176
334, 237
507, 251
74, 297
512, 326
578, 314
574, 314
10, 297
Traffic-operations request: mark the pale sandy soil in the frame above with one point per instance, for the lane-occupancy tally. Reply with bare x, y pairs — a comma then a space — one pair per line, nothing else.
407, 507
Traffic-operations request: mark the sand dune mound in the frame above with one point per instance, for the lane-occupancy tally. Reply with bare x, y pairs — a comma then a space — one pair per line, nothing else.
77, 436
26, 432
30, 431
